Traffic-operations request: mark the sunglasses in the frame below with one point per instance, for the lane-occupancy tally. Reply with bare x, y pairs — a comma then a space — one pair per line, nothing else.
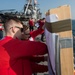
20, 28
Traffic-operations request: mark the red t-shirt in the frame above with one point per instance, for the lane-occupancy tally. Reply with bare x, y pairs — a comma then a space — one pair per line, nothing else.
15, 55
31, 22
41, 23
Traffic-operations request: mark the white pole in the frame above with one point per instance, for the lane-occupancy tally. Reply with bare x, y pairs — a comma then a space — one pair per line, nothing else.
29, 1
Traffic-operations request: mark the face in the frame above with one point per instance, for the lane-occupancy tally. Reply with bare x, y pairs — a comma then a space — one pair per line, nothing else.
26, 34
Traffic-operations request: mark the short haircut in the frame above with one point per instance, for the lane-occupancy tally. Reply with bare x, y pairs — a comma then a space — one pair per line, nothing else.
43, 18
8, 21
25, 27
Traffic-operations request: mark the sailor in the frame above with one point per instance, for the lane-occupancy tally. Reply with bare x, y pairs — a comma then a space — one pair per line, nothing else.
35, 60
31, 24
14, 53
27, 35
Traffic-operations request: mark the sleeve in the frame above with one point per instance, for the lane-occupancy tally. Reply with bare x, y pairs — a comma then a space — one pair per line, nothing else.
36, 32
29, 48
37, 68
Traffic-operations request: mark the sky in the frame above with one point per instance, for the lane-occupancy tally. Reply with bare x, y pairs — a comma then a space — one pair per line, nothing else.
44, 5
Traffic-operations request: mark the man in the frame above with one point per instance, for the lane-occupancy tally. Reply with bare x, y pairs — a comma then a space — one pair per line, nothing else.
31, 24
41, 24
30, 36
27, 35
14, 53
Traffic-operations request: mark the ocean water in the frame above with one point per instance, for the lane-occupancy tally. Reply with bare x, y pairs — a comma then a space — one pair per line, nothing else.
73, 31
73, 27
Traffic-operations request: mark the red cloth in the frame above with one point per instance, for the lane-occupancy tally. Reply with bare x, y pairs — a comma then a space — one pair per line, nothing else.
35, 66
41, 23
15, 55
37, 59
38, 68
36, 32
31, 22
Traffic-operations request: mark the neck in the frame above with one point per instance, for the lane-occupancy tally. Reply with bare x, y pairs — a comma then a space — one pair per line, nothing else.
10, 35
